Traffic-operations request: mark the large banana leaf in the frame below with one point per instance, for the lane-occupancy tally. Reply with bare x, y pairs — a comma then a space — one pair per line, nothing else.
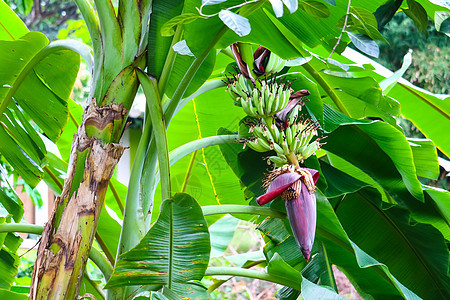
370, 277
415, 253
40, 86
429, 112
162, 11
378, 149
11, 25
174, 252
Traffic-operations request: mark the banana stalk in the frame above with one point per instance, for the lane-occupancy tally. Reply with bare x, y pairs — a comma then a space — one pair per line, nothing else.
69, 233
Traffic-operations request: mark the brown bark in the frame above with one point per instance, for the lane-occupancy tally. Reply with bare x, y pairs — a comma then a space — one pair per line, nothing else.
68, 235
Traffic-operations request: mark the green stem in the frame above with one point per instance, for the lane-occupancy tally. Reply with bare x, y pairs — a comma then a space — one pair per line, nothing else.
49, 49
94, 285
101, 262
218, 283
241, 209
25, 228
133, 228
327, 88
89, 16
207, 86
104, 248
190, 147
148, 179
150, 87
292, 159
111, 60
78, 47
54, 178
97, 258
329, 268
233, 271
189, 171
168, 64
195, 145
72, 118
116, 196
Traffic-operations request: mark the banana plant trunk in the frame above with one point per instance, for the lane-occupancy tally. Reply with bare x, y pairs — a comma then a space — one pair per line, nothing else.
68, 235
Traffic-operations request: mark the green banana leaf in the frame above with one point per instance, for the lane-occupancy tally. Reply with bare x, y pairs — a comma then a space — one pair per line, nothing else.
159, 46
221, 234
429, 112
5, 294
310, 290
415, 253
39, 85
14, 207
174, 252
378, 149
9, 259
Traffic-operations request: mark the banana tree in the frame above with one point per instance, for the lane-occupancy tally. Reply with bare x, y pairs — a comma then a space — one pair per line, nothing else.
265, 81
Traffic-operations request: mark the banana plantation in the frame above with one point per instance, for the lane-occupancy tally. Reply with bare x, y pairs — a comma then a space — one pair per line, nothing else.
274, 116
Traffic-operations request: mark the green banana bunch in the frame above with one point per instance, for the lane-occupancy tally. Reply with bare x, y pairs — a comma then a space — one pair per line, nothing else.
295, 138
275, 64
239, 87
262, 102
279, 160
306, 151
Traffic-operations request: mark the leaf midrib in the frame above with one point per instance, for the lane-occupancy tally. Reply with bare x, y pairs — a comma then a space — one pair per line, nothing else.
170, 271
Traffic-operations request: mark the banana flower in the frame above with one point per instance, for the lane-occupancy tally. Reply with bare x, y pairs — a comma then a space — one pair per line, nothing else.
296, 186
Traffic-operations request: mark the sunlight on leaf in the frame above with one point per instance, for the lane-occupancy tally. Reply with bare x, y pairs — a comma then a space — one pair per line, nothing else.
235, 22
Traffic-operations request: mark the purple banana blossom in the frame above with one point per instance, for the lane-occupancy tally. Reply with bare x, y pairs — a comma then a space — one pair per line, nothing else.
294, 100
296, 187
261, 56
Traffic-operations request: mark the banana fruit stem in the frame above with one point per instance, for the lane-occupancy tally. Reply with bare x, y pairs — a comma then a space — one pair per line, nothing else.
292, 159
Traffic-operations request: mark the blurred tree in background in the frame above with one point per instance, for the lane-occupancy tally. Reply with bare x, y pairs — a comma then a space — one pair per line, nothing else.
430, 68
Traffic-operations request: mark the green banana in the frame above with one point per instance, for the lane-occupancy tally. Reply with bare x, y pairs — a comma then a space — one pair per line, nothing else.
292, 117
277, 133
256, 146
275, 64
261, 107
280, 99
271, 63
252, 113
265, 144
254, 100
285, 98
270, 135
258, 132
309, 150
278, 148
295, 145
285, 147
270, 103
245, 104
278, 161
289, 137
267, 104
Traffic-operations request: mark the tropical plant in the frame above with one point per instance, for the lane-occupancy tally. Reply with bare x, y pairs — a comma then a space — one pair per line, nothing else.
323, 117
